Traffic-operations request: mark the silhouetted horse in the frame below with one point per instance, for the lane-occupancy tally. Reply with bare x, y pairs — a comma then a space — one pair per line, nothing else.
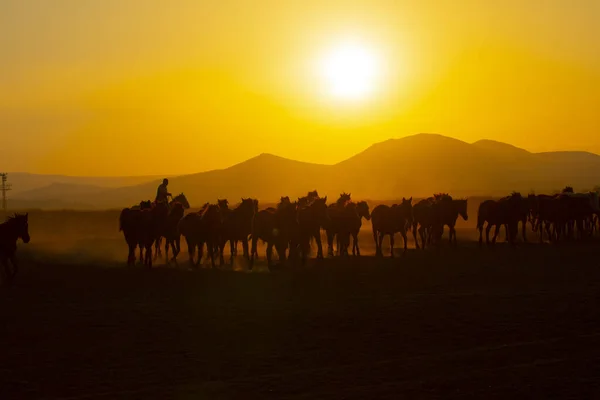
202, 227
423, 218
311, 217
15, 228
277, 227
445, 211
507, 212
309, 198
171, 231
179, 199
237, 226
389, 220
352, 216
337, 222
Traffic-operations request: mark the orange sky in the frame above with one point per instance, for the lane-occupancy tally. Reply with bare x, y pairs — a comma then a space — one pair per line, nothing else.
138, 87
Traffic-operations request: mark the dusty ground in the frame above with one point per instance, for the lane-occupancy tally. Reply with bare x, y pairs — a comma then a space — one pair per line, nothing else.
454, 323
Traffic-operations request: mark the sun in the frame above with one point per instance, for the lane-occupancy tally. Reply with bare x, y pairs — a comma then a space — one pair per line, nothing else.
350, 71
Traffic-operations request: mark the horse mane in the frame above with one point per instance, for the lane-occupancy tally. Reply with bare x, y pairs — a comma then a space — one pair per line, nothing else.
568, 189
441, 196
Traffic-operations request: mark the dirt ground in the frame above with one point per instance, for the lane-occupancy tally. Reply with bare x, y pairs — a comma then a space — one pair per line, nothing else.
448, 323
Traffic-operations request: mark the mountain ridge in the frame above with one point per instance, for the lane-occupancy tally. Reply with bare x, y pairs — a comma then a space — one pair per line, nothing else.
415, 165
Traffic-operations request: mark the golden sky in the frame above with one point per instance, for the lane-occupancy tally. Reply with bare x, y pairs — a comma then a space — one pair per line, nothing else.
136, 87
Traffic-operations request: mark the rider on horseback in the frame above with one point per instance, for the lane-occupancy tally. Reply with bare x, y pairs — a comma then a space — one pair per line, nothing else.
162, 193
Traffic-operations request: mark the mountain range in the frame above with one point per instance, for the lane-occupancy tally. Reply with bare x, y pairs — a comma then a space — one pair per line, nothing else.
417, 165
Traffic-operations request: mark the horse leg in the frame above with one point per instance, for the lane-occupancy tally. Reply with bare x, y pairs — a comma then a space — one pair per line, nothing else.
269, 254
15, 269
7, 271
167, 251
524, 230
453, 229
380, 244
391, 245
253, 252
245, 249
405, 237
414, 232
496, 232
317, 236
232, 250
480, 229
488, 228
422, 233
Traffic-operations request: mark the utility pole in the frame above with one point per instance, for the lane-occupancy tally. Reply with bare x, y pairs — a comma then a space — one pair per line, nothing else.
4, 187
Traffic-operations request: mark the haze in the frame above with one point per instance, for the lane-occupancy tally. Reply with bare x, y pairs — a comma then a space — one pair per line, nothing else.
148, 87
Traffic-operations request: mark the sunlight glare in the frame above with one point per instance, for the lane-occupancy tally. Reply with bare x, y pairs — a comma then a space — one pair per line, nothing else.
350, 71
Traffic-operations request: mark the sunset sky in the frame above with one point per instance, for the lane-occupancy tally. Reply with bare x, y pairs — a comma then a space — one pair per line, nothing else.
137, 87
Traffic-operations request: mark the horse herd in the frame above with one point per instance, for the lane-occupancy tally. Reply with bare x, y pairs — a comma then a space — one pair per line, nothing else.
291, 226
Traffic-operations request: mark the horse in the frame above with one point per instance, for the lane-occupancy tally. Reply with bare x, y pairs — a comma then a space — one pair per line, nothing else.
278, 227
445, 211
171, 231
336, 221
353, 215
311, 217
507, 211
309, 198
389, 220
202, 227
423, 220
237, 226
15, 228
179, 199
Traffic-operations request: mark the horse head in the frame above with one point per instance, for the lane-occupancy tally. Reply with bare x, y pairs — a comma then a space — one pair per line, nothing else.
223, 204
180, 198
344, 198
461, 207
20, 224
320, 209
363, 210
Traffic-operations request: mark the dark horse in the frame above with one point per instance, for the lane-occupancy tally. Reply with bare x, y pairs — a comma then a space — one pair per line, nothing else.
142, 228
183, 201
171, 231
277, 227
311, 217
15, 228
389, 220
202, 227
352, 215
507, 211
445, 211
337, 222
237, 226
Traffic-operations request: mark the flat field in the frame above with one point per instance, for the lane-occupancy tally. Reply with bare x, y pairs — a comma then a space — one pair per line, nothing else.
447, 323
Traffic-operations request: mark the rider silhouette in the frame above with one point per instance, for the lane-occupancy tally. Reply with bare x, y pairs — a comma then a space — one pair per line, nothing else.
162, 193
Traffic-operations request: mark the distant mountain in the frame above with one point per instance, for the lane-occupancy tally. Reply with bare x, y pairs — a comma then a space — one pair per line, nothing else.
417, 165
23, 182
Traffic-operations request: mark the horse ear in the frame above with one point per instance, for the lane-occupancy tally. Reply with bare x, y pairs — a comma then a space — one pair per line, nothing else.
404, 199
26, 215
410, 199
325, 198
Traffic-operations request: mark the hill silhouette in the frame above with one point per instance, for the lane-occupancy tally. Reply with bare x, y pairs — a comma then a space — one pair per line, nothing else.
417, 165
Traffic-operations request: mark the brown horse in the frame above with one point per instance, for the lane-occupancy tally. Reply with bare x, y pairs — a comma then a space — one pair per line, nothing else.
179, 199
309, 198
237, 226
445, 211
202, 227
15, 228
389, 220
277, 227
171, 231
311, 217
336, 222
353, 215
138, 225
423, 219
507, 212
